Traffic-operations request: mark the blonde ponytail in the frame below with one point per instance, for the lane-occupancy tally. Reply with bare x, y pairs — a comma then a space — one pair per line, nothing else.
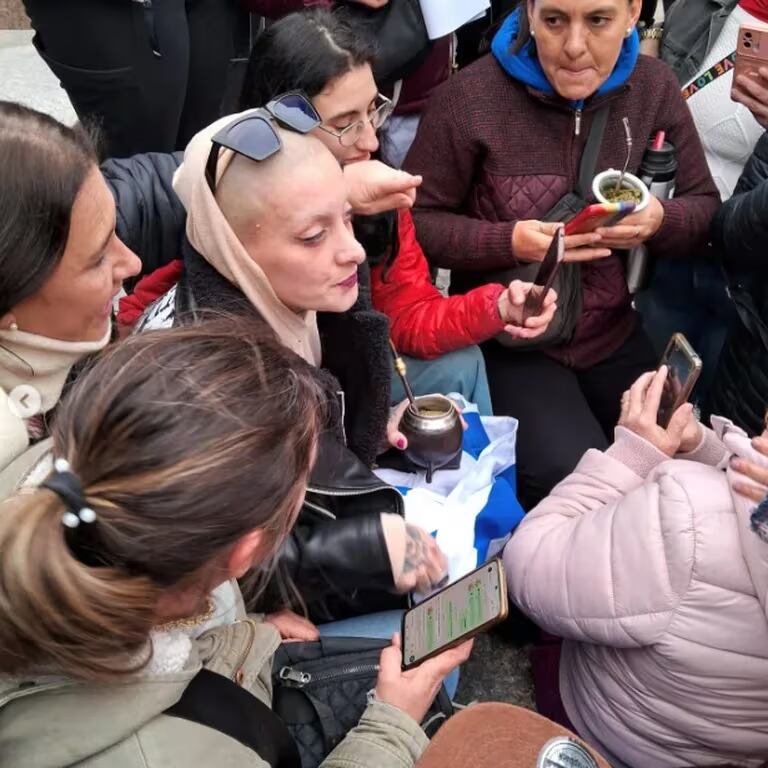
53, 608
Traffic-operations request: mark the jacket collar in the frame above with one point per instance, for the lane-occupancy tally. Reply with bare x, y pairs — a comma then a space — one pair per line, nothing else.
525, 67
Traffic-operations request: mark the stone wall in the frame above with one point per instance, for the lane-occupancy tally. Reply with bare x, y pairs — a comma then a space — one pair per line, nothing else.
12, 15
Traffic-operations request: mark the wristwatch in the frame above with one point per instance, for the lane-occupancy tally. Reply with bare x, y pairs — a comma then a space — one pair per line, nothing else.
654, 32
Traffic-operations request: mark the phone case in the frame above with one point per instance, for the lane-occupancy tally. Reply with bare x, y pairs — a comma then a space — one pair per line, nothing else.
503, 613
598, 215
751, 51
545, 277
679, 341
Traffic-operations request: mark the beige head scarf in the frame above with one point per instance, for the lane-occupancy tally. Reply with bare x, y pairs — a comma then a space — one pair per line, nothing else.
212, 236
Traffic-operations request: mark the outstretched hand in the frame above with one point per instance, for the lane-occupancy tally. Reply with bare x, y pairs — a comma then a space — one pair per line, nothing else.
373, 187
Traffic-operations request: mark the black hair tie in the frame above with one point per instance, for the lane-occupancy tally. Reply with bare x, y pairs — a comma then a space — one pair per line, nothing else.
79, 520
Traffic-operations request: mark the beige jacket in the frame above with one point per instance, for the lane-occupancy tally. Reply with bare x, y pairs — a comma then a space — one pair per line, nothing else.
50, 722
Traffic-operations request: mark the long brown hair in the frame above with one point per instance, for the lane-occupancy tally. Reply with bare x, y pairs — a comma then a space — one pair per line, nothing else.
183, 441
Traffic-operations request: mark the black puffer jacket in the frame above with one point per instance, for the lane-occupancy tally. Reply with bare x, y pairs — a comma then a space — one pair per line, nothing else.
740, 230
336, 556
150, 216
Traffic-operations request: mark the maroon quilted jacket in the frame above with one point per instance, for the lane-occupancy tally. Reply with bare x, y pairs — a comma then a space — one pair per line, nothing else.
493, 151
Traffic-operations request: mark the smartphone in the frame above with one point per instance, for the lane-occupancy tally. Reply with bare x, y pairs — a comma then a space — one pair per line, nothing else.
545, 276
684, 368
598, 215
454, 614
751, 52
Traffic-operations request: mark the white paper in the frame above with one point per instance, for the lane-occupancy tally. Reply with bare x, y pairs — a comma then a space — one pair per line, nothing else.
442, 17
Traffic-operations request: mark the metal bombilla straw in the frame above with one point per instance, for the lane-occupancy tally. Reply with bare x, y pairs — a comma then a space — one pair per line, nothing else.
401, 372
628, 133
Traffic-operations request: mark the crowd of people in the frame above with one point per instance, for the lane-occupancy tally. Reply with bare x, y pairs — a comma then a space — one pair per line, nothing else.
202, 309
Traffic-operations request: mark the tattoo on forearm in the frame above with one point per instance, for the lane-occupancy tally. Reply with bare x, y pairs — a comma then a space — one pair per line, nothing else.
415, 551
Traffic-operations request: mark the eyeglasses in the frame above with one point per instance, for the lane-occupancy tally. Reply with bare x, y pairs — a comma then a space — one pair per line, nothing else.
254, 135
348, 136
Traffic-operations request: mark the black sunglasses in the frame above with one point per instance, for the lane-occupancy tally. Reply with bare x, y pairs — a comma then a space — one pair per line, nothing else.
255, 135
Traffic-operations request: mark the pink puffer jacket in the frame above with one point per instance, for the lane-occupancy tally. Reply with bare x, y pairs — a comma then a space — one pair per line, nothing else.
649, 569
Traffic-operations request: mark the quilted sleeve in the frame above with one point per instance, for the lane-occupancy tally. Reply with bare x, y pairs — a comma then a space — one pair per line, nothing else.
446, 155
385, 737
424, 323
606, 557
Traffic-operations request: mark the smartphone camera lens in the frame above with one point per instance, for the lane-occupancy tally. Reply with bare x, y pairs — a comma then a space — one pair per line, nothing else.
747, 44
748, 35
490, 570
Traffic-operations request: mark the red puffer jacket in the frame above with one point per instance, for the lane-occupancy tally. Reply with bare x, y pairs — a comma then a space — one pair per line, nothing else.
425, 323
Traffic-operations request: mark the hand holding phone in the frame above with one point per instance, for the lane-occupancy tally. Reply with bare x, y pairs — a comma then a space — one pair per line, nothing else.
750, 88
684, 368
414, 690
456, 613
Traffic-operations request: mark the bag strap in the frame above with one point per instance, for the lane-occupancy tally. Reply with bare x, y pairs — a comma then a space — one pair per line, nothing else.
215, 701
591, 152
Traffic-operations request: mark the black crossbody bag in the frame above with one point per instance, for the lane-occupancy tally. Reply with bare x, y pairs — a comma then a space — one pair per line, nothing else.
568, 280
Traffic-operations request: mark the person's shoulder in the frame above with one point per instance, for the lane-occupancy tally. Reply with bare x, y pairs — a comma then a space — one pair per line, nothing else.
654, 73
483, 76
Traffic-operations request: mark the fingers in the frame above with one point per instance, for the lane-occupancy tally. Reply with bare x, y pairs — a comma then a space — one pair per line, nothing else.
749, 491
391, 659
760, 444
637, 395
586, 254
579, 241
757, 107
679, 421
517, 292
752, 471
440, 666
654, 393
394, 436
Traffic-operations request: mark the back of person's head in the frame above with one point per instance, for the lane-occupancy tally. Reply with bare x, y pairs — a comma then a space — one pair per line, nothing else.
186, 443
43, 165
303, 51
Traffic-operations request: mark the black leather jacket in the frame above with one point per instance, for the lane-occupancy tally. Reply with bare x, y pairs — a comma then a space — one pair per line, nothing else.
335, 558
740, 231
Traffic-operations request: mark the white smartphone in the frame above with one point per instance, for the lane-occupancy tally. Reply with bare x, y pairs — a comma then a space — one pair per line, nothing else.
456, 613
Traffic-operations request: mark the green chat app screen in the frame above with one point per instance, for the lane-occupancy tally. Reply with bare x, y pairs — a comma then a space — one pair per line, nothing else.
462, 607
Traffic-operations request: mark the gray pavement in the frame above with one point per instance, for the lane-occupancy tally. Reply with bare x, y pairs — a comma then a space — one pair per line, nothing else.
24, 77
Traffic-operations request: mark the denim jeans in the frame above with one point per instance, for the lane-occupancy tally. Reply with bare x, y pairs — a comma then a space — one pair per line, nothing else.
462, 371
380, 626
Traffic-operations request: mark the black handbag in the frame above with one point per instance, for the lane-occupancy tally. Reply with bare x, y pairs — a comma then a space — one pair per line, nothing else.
400, 34
568, 280
321, 691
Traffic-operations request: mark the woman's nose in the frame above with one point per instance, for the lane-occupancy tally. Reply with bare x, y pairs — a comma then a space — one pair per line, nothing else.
576, 41
350, 250
368, 141
127, 263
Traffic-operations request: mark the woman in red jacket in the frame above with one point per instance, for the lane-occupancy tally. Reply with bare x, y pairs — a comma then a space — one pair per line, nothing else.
499, 146
323, 56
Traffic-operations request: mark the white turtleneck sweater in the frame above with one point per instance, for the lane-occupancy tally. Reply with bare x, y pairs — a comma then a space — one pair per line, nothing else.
40, 362
728, 130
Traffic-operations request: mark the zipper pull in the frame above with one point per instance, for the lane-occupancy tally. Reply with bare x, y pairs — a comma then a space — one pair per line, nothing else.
577, 127
294, 677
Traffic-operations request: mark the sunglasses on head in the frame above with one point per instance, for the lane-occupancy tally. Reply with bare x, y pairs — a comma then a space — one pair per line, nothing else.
254, 135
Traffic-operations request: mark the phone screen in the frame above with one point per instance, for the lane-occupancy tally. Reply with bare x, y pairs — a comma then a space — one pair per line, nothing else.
681, 367
453, 612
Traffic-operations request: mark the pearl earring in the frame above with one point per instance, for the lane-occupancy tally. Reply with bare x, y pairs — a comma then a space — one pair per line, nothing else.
14, 326
533, 32
630, 30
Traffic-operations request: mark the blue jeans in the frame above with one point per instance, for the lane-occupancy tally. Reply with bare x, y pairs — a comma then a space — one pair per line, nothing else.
690, 298
380, 626
462, 371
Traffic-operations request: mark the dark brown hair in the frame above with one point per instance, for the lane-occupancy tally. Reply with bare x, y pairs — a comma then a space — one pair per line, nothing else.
44, 165
184, 441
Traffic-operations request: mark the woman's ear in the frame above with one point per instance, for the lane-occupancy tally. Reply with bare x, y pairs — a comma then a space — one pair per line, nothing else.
243, 555
8, 322
635, 8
